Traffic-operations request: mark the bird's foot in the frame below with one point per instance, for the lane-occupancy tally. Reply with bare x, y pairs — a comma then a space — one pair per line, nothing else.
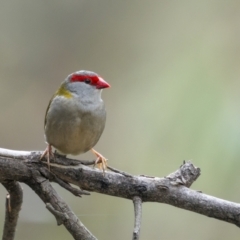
101, 161
48, 153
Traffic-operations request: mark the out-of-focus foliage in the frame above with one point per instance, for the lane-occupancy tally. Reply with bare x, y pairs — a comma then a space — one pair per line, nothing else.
175, 76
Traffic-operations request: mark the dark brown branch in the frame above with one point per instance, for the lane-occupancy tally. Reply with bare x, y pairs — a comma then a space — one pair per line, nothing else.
170, 190
13, 207
137, 202
58, 207
173, 189
28, 169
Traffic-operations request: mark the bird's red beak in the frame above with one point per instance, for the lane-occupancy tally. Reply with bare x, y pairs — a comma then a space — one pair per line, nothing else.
102, 83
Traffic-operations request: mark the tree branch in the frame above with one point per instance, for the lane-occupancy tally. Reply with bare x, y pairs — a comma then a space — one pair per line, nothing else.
13, 207
173, 189
170, 190
62, 212
137, 202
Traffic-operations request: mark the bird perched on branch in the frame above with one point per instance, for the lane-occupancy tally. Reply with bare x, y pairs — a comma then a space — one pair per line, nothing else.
76, 116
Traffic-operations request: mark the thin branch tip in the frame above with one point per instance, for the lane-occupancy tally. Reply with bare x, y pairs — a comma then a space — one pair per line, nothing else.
137, 202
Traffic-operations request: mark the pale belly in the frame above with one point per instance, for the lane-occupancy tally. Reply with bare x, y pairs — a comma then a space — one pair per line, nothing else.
74, 132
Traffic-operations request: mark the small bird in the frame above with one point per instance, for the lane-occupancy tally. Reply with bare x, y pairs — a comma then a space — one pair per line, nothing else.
76, 116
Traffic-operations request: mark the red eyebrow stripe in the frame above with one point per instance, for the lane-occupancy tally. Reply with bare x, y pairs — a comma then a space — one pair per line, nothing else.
78, 78
81, 78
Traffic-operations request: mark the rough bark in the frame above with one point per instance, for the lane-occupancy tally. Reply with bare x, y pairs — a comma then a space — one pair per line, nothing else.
173, 190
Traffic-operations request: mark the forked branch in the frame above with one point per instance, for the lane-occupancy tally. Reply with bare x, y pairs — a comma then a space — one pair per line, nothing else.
174, 189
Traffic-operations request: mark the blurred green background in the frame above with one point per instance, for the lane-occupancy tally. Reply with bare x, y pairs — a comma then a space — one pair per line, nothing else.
174, 71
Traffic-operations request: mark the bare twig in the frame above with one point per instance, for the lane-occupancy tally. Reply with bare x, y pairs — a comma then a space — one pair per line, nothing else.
55, 204
13, 207
137, 202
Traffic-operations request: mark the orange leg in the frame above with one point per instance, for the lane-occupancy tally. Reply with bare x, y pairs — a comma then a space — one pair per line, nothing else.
48, 153
101, 161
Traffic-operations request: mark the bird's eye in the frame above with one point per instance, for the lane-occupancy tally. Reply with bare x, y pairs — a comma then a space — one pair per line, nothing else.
87, 81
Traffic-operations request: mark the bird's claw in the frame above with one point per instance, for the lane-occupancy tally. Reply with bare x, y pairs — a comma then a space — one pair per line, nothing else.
101, 161
49, 154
